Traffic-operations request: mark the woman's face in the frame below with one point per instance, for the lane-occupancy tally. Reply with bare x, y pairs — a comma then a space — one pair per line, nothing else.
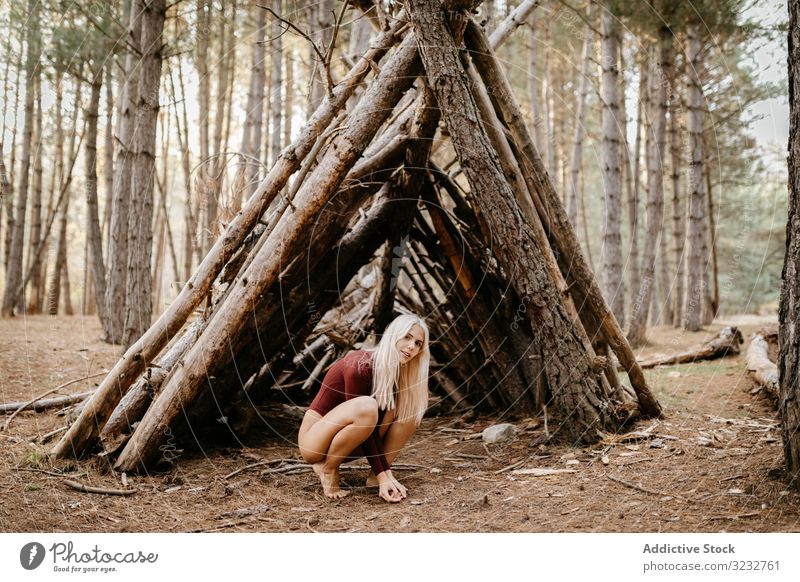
410, 344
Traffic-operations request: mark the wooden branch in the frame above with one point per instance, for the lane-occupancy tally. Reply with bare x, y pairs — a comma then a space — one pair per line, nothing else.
16, 407
760, 367
725, 343
102, 490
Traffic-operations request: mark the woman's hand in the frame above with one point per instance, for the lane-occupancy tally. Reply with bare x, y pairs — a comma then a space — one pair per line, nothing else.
389, 489
399, 486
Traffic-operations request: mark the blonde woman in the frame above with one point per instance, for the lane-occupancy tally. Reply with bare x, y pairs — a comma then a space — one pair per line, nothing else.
370, 403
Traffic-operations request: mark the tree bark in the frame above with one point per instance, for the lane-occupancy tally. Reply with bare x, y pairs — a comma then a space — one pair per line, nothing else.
693, 307
789, 330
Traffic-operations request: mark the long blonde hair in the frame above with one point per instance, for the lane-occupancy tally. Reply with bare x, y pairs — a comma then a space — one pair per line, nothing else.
405, 387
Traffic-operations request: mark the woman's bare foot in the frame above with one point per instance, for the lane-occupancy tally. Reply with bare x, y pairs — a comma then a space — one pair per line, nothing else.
330, 481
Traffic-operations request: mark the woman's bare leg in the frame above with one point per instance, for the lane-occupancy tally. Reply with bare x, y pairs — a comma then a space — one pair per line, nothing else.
326, 442
396, 435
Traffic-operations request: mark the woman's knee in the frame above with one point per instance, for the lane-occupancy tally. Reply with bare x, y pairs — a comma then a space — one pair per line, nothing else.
365, 408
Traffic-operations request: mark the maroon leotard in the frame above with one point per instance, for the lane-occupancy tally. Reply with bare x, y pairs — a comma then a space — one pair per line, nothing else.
348, 378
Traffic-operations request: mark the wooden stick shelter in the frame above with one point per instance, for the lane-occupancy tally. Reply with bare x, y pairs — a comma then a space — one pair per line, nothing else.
371, 226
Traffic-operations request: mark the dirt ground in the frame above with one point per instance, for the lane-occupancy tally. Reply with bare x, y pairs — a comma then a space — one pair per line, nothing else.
713, 463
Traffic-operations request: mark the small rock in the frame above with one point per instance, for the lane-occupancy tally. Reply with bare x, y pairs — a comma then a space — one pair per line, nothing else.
498, 433
657, 444
703, 441
435, 471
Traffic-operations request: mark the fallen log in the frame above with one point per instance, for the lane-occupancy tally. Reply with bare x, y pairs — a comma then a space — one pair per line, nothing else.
760, 367
725, 343
46, 404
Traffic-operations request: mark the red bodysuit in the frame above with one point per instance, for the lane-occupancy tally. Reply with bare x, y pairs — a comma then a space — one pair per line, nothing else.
348, 378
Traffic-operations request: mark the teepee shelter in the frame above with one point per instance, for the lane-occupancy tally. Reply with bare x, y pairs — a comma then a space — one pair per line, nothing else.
421, 190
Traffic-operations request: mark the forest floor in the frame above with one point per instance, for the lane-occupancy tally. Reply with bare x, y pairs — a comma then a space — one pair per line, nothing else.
712, 463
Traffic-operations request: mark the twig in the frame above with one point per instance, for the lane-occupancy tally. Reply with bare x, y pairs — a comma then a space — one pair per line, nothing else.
329, 52
52, 473
468, 456
644, 489
485, 448
260, 464
56, 389
46, 437
101, 490
509, 467
739, 516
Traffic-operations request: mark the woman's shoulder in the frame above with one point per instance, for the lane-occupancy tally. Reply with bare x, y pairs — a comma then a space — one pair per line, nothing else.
359, 360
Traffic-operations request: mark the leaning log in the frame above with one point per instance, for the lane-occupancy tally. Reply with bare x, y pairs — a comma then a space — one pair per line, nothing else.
763, 370
580, 279
576, 389
725, 343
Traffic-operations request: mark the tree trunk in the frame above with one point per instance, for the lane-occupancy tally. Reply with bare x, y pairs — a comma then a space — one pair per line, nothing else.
322, 22
108, 172
613, 287
276, 84
580, 131
678, 210
548, 98
575, 386
661, 64
54, 293
256, 114
32, 67
9, 201
189, 216
693, 307
710, 269
535, 84
118, 252
139, 295
289, 104
36, 297
789, 330
93, 232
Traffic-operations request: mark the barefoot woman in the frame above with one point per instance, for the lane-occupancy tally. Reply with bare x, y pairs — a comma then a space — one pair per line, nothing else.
373, 400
